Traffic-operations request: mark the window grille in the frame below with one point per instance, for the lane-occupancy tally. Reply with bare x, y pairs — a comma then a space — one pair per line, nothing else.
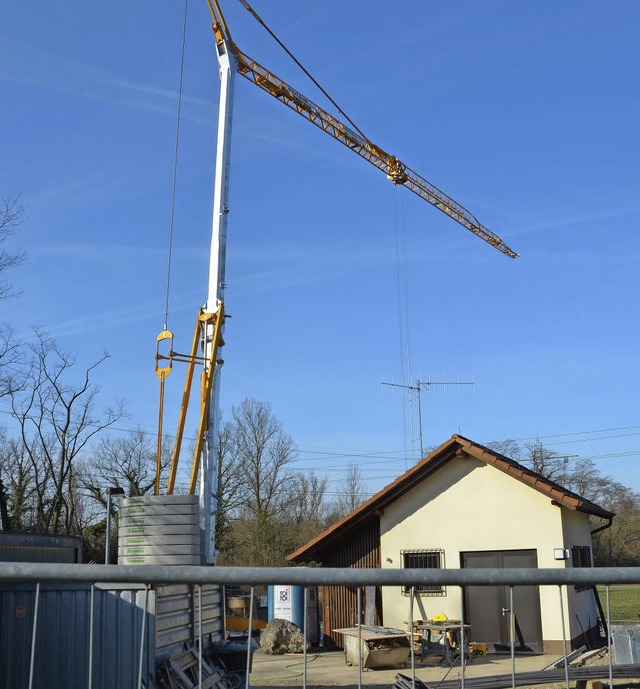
432, 558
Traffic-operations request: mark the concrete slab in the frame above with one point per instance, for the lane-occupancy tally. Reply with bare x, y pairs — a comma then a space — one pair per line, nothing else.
328, 669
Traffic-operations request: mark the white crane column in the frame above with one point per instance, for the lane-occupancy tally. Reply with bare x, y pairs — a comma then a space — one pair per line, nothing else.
208, 462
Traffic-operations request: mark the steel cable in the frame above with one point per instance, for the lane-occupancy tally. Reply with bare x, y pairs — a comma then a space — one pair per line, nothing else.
175, 167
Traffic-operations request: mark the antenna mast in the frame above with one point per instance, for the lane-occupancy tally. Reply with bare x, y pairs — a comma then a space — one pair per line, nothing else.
417, 387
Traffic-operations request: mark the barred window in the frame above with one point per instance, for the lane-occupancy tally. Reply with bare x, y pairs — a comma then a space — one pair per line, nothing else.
581, 557
424, 559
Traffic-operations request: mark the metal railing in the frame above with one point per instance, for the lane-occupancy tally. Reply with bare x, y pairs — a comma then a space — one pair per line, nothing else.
145, 577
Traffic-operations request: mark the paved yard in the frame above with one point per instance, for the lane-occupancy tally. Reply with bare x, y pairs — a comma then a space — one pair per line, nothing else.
328, 669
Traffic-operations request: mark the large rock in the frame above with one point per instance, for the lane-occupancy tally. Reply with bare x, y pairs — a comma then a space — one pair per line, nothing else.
282, 636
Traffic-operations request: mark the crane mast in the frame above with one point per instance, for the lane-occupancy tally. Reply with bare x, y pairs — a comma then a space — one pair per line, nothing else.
227, 65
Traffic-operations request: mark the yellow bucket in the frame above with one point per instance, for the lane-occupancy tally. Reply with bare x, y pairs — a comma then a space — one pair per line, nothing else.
478, 649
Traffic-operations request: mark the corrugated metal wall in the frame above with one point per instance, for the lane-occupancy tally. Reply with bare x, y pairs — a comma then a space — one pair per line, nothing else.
27, 547
62, 638
178, 615
10, 553
360, 549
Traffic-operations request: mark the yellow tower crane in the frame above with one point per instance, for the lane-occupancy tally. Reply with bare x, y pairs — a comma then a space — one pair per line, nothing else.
396, 171
210, 323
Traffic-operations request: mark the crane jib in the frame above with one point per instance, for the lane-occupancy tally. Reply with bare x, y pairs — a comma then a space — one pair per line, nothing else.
395, 170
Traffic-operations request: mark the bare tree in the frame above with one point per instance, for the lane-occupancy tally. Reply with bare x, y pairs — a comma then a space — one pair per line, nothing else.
57, 420
546, 462
352, 493
11, 215
306, 508
306, 502
17, 486
262, 454
11, 359
229, 493
509, 448
620, 544
126, 461
585, 479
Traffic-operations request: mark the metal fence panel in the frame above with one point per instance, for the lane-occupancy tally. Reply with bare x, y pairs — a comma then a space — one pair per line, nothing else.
63, 636
314, 576
626, 644
118, 618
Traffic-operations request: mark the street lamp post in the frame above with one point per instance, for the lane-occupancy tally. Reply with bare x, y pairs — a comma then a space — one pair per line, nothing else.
107, 547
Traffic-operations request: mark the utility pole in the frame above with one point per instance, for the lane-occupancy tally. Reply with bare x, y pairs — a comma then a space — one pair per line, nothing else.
417, 387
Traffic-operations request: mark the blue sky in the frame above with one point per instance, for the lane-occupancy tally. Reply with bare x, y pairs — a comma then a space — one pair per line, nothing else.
526, 113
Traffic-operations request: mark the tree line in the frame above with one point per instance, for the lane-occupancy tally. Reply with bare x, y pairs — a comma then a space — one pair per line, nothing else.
64, 450
63, 454
267, 508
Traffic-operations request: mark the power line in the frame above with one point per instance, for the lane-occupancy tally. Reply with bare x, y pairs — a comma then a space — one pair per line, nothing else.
400, 453
563, 435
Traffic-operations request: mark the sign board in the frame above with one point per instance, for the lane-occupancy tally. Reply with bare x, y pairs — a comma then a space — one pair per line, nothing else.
283, 603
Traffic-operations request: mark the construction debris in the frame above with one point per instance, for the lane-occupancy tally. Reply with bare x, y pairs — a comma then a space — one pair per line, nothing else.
569, 658
188, 670
581, 675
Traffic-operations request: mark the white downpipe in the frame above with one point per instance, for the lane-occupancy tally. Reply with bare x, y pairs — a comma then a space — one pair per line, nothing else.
208, 461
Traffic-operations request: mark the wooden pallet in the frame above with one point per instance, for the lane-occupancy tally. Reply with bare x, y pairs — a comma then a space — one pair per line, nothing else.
183, 672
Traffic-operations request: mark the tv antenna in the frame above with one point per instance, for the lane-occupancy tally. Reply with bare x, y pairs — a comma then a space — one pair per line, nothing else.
416, 389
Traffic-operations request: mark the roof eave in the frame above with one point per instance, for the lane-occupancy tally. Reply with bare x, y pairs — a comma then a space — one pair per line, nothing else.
390, 492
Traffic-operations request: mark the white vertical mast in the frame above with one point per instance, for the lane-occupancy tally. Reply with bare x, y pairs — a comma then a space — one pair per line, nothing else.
208, 465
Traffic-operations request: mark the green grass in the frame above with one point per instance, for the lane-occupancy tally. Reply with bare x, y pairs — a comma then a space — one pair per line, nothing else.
624, 602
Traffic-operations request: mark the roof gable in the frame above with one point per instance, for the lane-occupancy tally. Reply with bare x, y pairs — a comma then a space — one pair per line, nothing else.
457, 445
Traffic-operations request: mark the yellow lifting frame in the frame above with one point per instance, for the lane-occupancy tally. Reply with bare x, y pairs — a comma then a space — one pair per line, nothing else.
183, 408
162, 372
206, 382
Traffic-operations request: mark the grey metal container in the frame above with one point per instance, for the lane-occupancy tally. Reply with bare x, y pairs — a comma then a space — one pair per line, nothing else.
377, 649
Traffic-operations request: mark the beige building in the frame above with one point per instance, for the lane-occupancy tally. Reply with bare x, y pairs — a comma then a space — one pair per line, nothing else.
467, 506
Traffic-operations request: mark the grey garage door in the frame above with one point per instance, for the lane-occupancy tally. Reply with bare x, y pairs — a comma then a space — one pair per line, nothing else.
487, 607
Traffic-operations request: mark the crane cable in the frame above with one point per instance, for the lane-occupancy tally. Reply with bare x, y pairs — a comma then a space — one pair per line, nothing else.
175, 168
404, 333
400, 238
259, 19
166, 336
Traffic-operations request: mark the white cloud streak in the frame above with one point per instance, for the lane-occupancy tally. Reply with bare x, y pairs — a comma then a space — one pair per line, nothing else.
25, 64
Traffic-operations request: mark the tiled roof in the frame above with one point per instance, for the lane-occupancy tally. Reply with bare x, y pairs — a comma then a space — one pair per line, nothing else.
424, 468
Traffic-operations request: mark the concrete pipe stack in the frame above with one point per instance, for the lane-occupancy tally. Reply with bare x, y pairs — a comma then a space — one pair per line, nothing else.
159, 530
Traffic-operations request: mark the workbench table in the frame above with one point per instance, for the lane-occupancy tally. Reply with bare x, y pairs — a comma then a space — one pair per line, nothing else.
449, 630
